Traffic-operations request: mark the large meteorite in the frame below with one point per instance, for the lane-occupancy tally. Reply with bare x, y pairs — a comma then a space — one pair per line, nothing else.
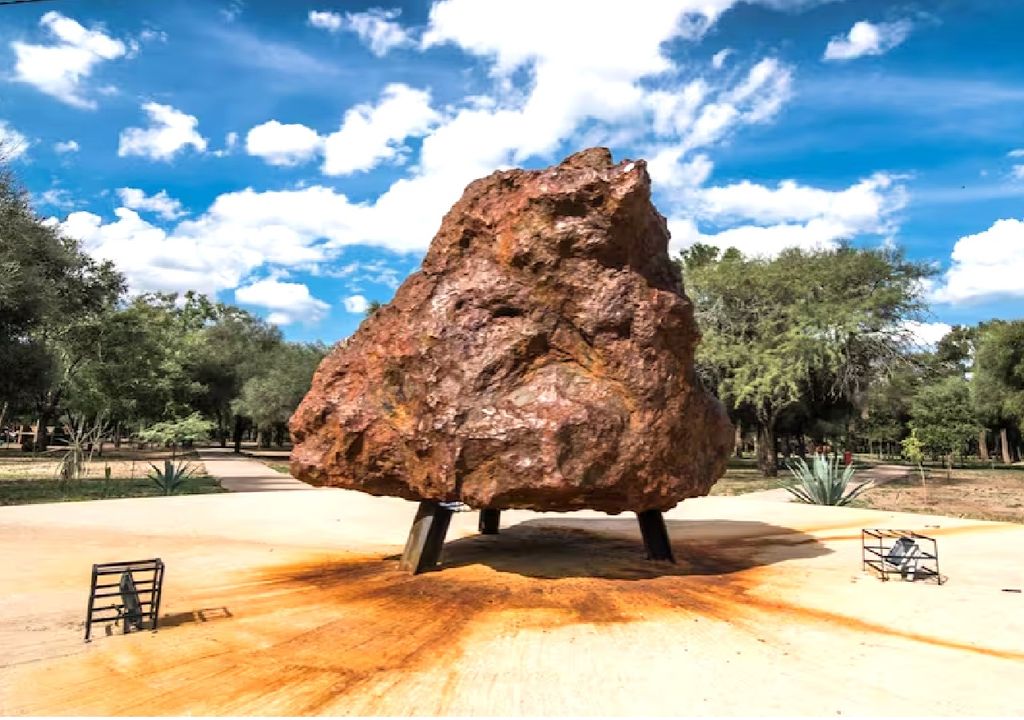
542, 358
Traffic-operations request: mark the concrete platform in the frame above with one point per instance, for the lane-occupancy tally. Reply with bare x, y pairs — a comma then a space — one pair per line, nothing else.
290, 603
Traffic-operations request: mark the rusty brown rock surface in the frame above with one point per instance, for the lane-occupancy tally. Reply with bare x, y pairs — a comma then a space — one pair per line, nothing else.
542, 358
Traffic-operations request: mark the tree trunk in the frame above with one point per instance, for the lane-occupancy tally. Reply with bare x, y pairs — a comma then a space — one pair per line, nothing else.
737, 443
1004, 442
767, 459
983, 444
117, 435
263, 438
42, 436
238, 434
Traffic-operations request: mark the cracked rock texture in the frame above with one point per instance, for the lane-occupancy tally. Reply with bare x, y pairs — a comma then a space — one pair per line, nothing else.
542, 358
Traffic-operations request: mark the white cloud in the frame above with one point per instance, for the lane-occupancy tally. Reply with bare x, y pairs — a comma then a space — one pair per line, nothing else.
371, 134
230, 142
1016, 153
377, 29
866, 38
288, 302
162, 204
985, 266
376, 272
58, 198
69, 146
325, 20
719, 58
1017, 171
280, 144
863, 207
60, 69
13, 144
789, 215
927, 335
169, 132
152, 35
356, 304
575, 84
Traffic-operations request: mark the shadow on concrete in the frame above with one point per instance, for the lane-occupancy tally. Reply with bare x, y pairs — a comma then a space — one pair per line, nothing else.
201, 615
612, 548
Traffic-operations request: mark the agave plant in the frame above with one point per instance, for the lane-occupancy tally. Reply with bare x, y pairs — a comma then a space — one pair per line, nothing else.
823, 482
172, 477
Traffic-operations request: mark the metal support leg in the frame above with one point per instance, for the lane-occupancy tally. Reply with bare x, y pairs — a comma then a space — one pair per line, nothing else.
426, 538
655, 534
490, 521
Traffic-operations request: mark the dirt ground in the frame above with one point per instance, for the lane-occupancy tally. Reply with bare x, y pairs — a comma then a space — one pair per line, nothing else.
296, 607
993, 494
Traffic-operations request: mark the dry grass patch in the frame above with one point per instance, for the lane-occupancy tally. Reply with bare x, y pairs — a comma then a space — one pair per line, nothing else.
982, 494
124, 463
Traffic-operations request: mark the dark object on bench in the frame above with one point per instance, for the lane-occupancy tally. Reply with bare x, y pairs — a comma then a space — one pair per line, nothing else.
904, 552
138, 588
426, 538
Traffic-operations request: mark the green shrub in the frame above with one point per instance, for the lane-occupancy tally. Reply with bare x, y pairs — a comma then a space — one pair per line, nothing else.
823, 482
172, 477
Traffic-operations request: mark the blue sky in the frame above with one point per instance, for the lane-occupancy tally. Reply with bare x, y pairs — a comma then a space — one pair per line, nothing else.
296, 158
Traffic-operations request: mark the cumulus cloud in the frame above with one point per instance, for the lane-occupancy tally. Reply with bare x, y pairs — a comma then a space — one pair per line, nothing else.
985, 266
13, 144
60, 69
371, 134
68, 146
161, 203
170, 131
575, 85
288, 302
719, 58
356, 304
866, 38
281, 144
767, 219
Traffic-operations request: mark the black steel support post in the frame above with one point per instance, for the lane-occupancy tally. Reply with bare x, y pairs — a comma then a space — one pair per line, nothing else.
490, 521
655, 534
426, 538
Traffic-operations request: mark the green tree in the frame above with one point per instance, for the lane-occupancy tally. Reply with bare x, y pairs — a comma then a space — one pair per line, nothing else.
178, 432
805, 327
997, 382
52, 296
230, 347
942, 419
271, 397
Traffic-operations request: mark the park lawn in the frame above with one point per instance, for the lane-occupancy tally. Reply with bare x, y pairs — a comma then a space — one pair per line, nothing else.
32, 491
981, 494
740, 479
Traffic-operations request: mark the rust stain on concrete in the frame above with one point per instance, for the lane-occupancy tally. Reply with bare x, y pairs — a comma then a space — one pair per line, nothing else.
304, 637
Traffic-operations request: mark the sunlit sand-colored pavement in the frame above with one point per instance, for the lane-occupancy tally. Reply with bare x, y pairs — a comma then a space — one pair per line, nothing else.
291, 603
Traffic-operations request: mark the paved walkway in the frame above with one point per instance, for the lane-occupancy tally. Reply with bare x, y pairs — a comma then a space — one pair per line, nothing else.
241, 474
878, 475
